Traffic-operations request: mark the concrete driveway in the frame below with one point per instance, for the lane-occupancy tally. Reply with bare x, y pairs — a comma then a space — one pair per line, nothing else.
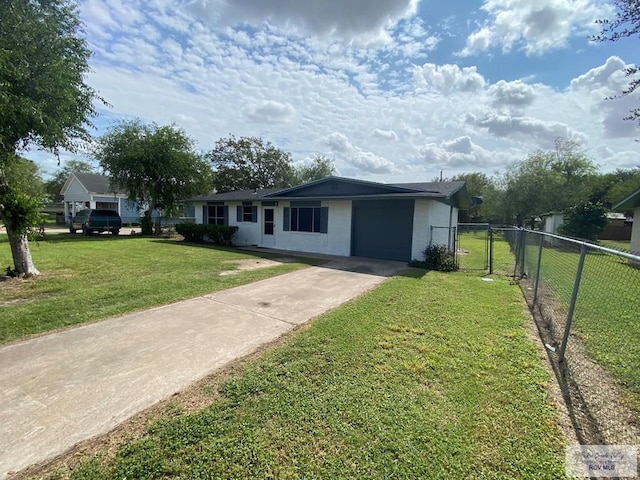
69, 386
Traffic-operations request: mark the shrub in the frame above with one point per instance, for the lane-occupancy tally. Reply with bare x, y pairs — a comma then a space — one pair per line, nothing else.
437, 257
216, 234
585, 221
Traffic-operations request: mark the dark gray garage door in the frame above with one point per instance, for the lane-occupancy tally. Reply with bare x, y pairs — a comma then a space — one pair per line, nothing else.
382, 229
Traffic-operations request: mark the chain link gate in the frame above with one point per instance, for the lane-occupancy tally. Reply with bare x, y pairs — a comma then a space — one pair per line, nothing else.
473, 246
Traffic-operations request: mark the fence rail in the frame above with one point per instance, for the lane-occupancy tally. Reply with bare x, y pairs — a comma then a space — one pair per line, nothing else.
586, 303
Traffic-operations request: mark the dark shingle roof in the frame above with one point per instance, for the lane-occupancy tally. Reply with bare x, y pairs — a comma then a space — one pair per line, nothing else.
443, 188
236, 195
438, 190
96, 183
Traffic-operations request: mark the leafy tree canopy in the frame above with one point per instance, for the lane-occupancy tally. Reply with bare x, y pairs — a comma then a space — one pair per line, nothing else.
480, 185
547, 181
585, 221
247, 163
156, 165
43, 63
319, 168
21, 195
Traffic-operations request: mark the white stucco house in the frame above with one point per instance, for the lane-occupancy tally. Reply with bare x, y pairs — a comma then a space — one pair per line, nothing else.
90, 190
341, 216
632, 202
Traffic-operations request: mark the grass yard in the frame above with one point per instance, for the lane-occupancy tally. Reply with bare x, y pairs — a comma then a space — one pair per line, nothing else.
607, 315
427, 376
90, 278
617, 245
473, 256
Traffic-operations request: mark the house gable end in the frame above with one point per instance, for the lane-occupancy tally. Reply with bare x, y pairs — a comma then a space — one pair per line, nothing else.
72, 184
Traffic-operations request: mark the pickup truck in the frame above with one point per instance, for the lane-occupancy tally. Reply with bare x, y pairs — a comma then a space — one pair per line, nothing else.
91, 220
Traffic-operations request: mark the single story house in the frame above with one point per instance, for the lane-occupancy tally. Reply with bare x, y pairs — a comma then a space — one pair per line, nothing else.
90, 190
341, 216
632, 202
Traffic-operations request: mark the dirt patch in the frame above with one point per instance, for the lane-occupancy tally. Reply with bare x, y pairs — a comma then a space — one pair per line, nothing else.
254, 264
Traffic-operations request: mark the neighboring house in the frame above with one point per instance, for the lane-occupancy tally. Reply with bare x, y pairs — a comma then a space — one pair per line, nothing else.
90, 190
341, 216
632, 202
550, 222
618, 228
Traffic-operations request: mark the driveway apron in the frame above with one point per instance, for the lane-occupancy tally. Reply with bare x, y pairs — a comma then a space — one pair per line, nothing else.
66, 387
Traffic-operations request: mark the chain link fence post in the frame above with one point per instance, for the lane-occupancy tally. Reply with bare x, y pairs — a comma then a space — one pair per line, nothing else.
572, 304
537, 278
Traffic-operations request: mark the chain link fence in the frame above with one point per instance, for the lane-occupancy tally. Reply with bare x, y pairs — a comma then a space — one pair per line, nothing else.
585, 299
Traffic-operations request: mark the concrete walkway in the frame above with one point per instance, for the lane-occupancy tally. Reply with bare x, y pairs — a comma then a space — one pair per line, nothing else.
59, 389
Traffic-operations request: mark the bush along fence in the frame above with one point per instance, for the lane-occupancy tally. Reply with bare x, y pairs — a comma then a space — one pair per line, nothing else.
586, 303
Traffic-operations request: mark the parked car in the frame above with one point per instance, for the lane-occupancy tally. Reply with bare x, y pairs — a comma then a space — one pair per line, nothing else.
91, 220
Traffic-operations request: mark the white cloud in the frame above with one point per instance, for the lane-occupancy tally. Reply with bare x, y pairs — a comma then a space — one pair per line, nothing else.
388, 135
511, 94
460, 153
448, 77
535, 27
609, 77
544, 132
365, 161
381, 115
601, 85
269, 111
348, 20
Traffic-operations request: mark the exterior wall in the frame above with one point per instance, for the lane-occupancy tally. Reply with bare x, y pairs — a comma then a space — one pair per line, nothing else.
76, 192
635, 233
337, 240
129, 211
421, 229
434, 223
443, 221
552, 222
249, 233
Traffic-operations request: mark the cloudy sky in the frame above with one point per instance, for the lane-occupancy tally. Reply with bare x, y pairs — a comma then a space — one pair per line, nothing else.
392, 90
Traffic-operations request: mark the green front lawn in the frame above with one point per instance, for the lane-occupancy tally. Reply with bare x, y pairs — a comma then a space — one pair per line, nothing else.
90, 278
427, 376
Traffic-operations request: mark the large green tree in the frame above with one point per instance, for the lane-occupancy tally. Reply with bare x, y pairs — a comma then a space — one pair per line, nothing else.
55, 184
546, 181
44, 99
480, 185
625, 24
612, 187
247, 163
157, 165
319, 168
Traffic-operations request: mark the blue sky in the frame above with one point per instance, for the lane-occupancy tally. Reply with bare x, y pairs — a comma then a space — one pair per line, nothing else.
392, 90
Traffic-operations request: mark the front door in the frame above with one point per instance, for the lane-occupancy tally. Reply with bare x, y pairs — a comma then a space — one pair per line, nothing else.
268, 227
